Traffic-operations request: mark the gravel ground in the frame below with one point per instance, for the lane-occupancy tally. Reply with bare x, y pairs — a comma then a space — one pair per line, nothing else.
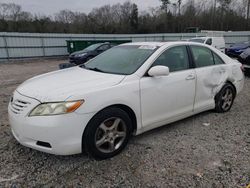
207, 150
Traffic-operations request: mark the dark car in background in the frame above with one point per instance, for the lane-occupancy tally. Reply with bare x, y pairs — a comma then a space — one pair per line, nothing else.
237, 49
88, 53
244, 58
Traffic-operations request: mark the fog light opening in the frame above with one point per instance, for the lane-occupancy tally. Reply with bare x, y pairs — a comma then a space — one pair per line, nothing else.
43, 144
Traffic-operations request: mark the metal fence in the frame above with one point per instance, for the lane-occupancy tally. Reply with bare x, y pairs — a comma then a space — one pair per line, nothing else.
35, 45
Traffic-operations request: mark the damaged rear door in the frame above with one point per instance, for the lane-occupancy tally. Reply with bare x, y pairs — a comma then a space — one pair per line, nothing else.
211, 74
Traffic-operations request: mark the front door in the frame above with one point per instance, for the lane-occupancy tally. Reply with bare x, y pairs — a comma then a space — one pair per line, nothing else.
167, 97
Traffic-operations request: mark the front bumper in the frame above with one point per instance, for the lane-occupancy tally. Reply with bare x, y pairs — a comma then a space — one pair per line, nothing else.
60, 135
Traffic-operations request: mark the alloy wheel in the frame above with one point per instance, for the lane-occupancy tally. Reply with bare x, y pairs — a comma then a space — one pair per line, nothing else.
110, 135
227, 99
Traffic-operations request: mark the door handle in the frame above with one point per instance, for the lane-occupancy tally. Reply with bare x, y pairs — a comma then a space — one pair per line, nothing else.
190, 77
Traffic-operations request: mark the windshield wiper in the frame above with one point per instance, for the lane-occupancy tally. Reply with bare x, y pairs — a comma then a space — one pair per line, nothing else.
94, 69
82, 65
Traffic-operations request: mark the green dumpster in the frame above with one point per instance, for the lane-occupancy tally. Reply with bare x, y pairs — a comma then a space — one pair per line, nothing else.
77, 45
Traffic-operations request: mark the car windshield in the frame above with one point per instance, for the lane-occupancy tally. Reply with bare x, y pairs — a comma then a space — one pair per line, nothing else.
197, 40
92, 47
123, 60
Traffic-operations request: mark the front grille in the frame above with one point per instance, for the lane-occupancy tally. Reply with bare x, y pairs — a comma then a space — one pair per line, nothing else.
17, 106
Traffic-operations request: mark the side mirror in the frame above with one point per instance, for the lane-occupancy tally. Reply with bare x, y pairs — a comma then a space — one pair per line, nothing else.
158, 71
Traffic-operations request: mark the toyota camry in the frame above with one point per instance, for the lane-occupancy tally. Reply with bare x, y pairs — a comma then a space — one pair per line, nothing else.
127, 90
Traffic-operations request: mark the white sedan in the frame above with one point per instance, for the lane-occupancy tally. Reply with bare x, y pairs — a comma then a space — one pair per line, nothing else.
129, 89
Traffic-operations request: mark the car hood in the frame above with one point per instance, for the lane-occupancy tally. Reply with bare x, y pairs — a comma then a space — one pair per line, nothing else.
60, 85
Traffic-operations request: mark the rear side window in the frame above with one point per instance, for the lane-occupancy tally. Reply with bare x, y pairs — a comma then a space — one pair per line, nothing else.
175, 58
217, 60
202, 56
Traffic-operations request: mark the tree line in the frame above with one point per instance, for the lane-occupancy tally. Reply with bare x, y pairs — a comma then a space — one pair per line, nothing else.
173, 16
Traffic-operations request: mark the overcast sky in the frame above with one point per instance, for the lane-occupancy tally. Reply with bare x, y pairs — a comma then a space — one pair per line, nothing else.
53, 6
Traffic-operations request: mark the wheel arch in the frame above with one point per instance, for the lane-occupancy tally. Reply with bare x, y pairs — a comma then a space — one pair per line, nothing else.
226, 82
218, 97
130, 113
231, 83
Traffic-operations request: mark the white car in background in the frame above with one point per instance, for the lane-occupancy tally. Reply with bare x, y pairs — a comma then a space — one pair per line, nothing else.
216, 42
127, 90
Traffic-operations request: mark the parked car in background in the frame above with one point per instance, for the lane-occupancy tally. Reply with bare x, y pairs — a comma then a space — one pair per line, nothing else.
88, 53
244, 58
216, 42
127, 90
236, 49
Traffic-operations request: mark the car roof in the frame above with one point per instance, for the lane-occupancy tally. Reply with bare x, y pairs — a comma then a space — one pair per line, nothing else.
205, 37
102, 43
200, 37
145, 44
160, 44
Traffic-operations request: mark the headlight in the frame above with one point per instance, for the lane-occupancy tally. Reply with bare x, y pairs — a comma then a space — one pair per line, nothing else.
48, 109
81, 55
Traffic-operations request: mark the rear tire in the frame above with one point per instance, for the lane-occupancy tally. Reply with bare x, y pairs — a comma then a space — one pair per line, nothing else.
107, 134
225, 98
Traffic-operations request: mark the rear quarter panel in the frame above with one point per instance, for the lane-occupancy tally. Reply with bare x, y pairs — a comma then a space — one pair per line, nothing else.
235, 74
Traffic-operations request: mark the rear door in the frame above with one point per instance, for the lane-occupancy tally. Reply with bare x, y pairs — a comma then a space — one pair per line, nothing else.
211, 74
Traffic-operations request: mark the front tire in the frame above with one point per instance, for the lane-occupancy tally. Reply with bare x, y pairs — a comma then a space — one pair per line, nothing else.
225, 98
107, 134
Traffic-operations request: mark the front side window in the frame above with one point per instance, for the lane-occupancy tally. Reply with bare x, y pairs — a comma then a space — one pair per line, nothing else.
103, 47
176, 59
123, 60
202, 56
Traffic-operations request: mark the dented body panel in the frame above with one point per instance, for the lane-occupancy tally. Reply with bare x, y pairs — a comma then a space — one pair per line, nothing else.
210, 80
